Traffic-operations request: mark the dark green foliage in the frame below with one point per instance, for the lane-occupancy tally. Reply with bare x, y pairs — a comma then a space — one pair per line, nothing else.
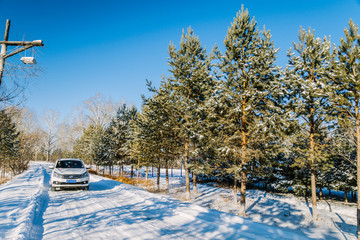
87, 146
119, 135
10, 145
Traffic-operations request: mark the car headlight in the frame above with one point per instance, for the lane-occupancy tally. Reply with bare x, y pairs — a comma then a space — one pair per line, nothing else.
85, 174
58, 175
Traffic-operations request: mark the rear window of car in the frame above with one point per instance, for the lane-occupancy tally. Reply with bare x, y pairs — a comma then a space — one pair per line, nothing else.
69, 164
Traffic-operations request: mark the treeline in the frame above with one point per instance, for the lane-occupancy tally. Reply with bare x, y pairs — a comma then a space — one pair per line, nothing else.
237, 116
26, 137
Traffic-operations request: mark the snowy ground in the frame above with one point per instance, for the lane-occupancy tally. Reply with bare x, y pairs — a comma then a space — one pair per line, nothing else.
337, 220
113, 210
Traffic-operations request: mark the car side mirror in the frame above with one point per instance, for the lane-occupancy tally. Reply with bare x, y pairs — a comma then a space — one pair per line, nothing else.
51, 166
88, 167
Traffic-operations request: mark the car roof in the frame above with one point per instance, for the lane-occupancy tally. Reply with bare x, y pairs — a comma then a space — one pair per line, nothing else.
66, 159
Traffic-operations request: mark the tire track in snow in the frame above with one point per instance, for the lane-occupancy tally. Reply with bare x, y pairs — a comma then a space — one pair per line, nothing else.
37, 228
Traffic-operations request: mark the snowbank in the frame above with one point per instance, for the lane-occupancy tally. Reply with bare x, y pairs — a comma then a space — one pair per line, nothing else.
20, 202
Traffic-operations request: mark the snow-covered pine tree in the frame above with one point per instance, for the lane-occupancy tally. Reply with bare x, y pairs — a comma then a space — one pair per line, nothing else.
157, 128
102, 150
188, 84
86, 147
120, 132
147, 140
343, 156
9, 142
347, 82
251, 82
308, 93
141, 148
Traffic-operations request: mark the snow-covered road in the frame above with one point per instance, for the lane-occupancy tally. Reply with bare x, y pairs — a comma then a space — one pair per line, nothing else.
113, 210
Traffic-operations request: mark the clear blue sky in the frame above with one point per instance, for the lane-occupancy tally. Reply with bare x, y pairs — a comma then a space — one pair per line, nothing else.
111, 47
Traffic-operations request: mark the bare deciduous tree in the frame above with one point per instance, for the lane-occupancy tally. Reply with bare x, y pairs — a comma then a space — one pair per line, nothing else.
16, 79
98, 110
50, 121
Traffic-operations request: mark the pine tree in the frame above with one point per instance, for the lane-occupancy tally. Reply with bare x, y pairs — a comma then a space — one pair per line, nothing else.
87, 146
156, 131
141, 147
250, 87
9, 142
188, 85
120, 134
308, 92
343, 156
347, 82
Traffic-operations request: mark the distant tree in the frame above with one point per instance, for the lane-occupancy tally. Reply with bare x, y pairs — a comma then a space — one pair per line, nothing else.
141, 148
342, 154
102, 151
67, 135
98, 111
87, 145
9, 143
30, 134
156, 130
50, 121
120, 134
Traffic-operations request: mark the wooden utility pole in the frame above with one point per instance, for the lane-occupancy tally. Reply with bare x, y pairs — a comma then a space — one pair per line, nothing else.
4, 55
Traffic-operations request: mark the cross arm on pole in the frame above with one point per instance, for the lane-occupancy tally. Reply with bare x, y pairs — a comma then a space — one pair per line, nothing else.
26, 45
23, 43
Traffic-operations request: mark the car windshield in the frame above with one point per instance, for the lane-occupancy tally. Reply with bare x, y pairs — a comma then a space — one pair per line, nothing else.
69, 164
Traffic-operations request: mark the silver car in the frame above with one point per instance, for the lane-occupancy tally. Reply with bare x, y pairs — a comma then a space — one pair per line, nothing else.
69, 173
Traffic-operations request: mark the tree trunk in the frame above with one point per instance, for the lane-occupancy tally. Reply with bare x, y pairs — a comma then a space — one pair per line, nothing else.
312, 171
131, 172
137, 173
167, 174
358, 167
48, 155
235, 188
147, 173
194, 184
243, 178
152, 170
345, 195
355, 196
243, 162
158, 176
243, 196
320, 194
187, 175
